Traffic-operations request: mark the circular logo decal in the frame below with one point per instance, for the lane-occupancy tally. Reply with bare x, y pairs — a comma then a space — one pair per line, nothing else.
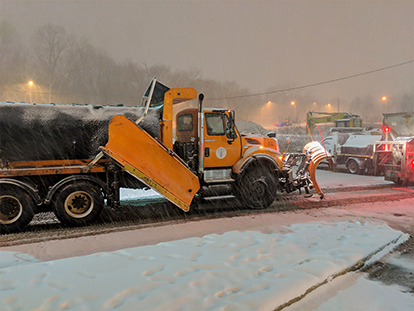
221, 153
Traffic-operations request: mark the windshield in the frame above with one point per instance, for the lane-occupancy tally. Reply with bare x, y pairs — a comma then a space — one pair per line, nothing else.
157, 99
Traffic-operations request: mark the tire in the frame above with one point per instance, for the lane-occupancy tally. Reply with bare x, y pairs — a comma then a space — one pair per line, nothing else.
16, 209
257, 188
78, 204
353, 167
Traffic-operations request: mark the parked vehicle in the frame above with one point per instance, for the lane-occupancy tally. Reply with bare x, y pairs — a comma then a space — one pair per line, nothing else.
345, 120
355, 150
394, 157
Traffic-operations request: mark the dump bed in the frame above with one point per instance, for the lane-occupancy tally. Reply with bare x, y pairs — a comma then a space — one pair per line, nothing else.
40, 132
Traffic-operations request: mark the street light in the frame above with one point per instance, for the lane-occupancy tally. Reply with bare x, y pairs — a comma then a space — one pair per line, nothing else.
384, 99
293, 104
30, 83
268, 104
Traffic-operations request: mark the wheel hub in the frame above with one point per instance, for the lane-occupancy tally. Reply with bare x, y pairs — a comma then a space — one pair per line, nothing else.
10, 209
78, 202
353, 167
258, 188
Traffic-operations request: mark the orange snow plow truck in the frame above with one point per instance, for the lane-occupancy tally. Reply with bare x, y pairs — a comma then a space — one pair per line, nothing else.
70, 159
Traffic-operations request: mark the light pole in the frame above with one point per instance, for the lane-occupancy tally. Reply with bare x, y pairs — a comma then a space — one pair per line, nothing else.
30, 83
384, 99
268, 104
293, 104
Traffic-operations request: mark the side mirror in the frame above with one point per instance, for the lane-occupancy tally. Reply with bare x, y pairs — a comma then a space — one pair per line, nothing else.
232, 121
230, 128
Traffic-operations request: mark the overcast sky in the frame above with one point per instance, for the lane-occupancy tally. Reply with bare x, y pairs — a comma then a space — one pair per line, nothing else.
261, 45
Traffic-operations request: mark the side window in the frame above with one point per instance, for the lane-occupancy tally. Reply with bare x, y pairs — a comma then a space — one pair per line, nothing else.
357, 123
214, 123
342, 124
327, 141
185, 123
230, 132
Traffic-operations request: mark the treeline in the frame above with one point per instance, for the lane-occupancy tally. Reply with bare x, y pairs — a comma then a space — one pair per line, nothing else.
68, 69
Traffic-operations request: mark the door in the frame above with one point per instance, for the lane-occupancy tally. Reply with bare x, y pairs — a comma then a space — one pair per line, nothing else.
222, 147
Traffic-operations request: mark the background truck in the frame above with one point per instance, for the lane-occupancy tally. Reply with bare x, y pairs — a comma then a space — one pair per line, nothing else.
394, 157
69, 159
354, 150
341, 119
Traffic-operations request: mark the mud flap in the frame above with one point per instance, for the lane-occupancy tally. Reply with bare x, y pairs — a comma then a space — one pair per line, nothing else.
142, 156
316, 154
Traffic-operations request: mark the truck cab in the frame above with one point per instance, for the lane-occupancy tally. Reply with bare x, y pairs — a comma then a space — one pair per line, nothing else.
224, 147
214, 149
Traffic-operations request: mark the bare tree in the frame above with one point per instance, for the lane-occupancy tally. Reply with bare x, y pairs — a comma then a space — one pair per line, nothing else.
51, 43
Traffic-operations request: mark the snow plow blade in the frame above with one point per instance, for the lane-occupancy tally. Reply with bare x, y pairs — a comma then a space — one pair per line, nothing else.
142, 156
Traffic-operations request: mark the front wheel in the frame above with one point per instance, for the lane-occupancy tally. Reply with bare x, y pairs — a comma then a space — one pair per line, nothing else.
78, 204
257, 188
16, 209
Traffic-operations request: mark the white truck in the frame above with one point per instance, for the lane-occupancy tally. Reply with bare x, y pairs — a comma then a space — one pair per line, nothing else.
353, 149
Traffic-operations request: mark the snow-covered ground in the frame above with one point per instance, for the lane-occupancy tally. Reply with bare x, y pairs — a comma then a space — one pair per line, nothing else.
249, 270
256, 262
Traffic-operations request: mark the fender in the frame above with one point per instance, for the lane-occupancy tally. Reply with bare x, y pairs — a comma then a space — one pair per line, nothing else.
27, 188
71, 179
254, 154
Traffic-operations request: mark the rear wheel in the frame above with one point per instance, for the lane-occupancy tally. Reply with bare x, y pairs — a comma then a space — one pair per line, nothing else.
353, 167
16, 209
257, 188
78, 204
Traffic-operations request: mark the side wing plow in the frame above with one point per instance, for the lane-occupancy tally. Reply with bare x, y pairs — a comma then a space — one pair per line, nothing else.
142, 156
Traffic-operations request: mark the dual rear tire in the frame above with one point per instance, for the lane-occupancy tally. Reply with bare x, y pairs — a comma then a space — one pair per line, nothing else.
16, 209
78, 204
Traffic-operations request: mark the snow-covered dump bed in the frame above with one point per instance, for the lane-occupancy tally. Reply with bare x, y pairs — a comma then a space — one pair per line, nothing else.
360, 144
31, 132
